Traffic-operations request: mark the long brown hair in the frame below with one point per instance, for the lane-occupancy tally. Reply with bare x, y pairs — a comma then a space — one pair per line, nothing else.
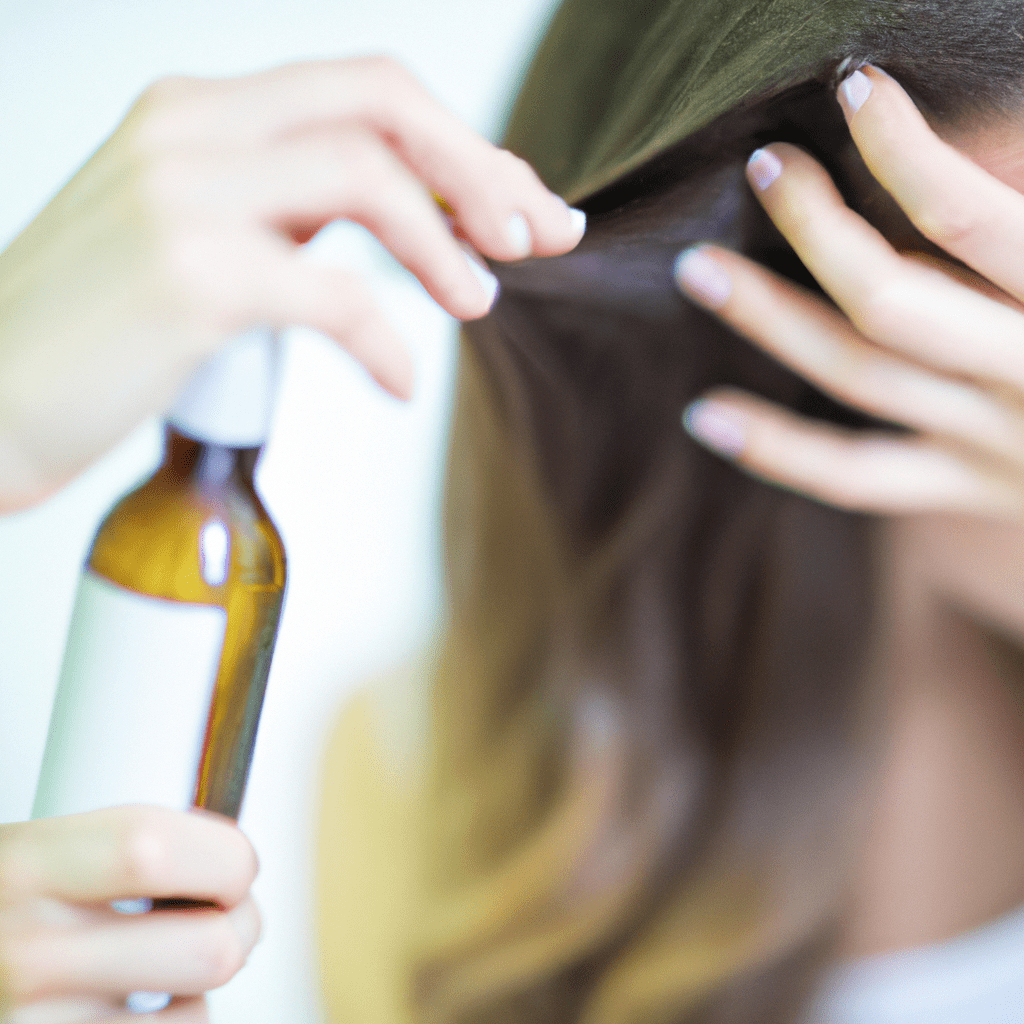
651, 716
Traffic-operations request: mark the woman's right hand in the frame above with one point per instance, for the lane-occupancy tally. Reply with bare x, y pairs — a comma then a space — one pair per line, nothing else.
186, 227
66, 955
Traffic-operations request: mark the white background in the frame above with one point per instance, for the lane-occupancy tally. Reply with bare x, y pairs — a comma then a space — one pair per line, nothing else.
351, 477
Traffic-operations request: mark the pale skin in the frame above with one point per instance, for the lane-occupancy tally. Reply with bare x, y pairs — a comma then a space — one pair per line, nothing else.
184, 228
65, 955
940, 351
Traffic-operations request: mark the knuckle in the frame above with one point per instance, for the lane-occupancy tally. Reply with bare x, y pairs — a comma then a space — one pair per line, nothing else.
219, 952
391, 93
144, 852
242, 868
157, 115
947, 223
250, 866
387, 71
515, 166
878, 314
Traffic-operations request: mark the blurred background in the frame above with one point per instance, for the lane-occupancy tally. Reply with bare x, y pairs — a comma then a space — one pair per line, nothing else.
351, 477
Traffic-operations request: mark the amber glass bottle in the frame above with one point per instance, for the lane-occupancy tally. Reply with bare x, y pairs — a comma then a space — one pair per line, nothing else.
177, 613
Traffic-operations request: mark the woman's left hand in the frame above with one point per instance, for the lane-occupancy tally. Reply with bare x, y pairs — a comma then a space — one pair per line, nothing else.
914, 341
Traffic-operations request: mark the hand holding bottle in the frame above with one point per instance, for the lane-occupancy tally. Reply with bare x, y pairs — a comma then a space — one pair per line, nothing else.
186, 228
67, 955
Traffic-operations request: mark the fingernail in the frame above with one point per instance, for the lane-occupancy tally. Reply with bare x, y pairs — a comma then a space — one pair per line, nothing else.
142, 905
518, 233
487, 281
763, 168
147, 1002
702, 278
853, 91
720, 428
578, 219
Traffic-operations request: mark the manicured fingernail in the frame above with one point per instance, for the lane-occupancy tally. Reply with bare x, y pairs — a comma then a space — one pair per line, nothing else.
702, 278
578, 219
853, 91
136, 906
763, 168
487, 281
147, 1002
720, 428
517, 231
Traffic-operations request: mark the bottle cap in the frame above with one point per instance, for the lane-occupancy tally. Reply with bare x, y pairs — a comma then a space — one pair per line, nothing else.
230, 398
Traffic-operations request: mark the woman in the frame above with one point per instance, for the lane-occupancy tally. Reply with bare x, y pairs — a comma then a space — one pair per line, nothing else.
184, 227
691, 738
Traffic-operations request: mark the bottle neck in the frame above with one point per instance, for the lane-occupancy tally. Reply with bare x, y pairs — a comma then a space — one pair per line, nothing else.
207, 465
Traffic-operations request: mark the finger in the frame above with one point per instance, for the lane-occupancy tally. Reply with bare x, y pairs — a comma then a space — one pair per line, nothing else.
484, 185
854, 470
286, 289
251, 278
191, 1010
965, 276
494, 196
305, 184
949, 198
894, 301
499, 202
60, 1011
126, 852
820, 344
185, 952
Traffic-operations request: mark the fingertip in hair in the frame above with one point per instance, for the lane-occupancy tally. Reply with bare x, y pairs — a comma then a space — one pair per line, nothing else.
846, 67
